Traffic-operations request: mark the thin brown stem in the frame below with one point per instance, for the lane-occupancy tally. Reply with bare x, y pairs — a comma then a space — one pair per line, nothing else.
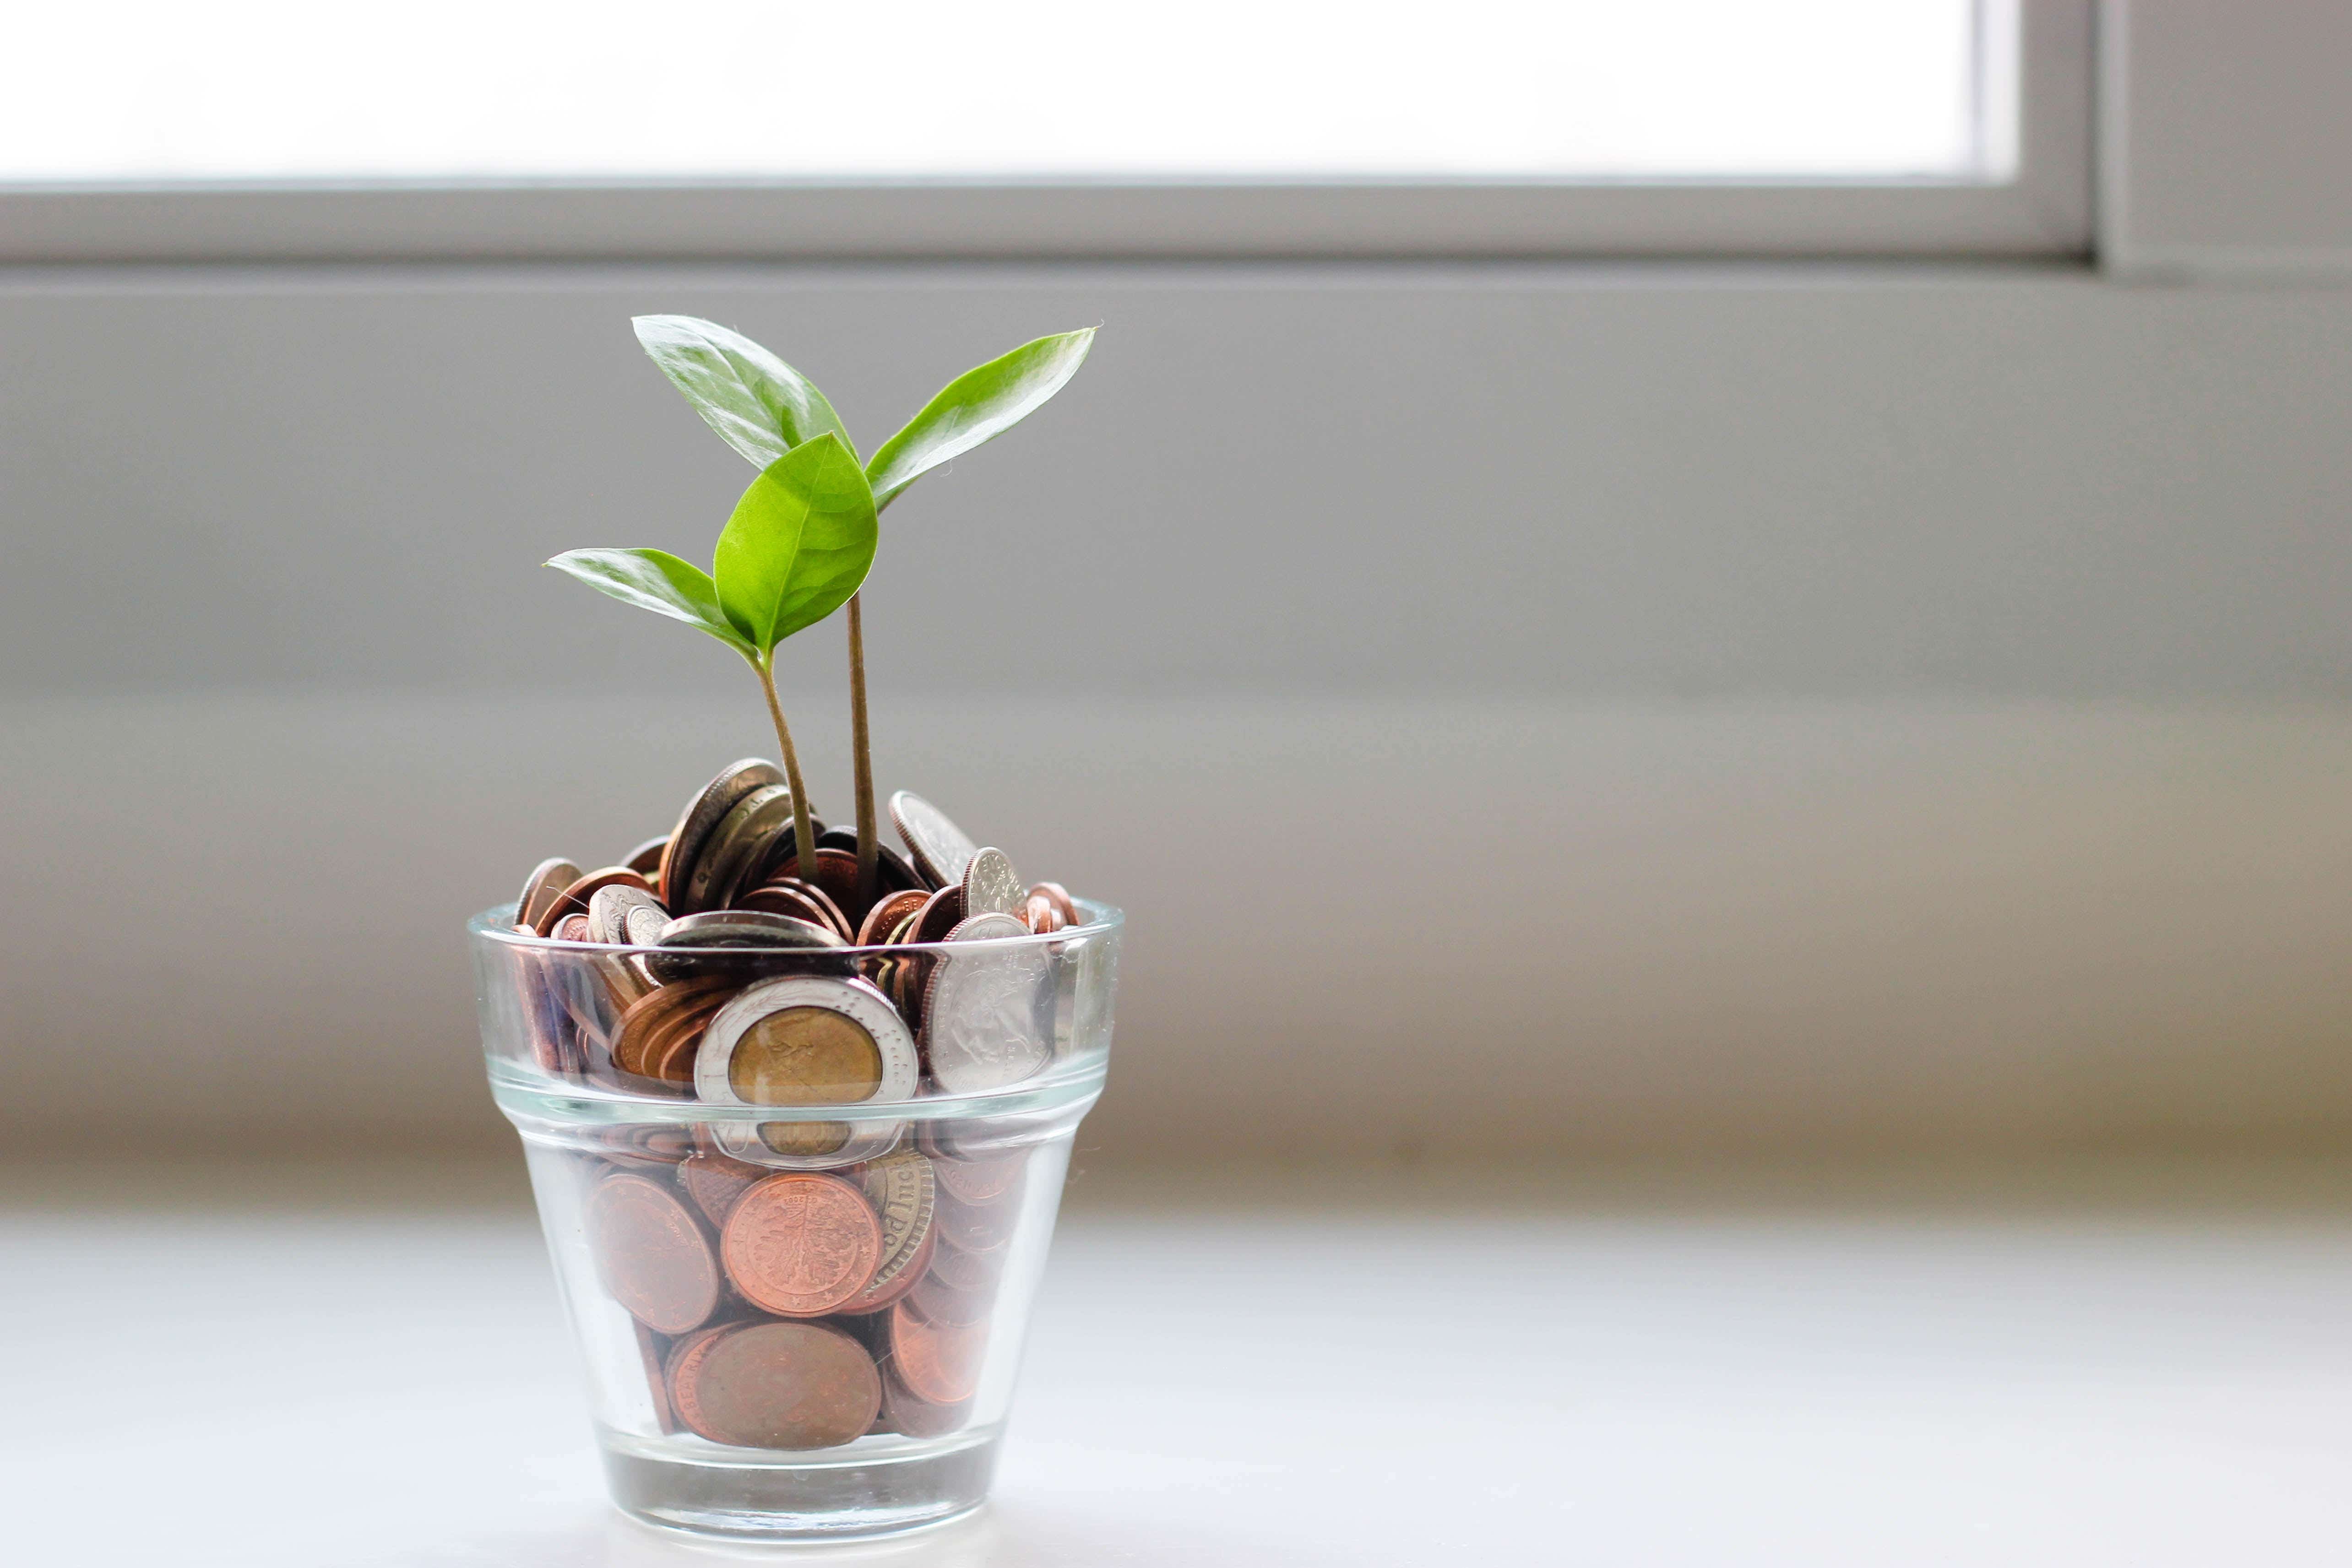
869, 846
804, 836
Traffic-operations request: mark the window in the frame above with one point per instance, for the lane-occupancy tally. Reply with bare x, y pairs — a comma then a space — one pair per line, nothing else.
507, 127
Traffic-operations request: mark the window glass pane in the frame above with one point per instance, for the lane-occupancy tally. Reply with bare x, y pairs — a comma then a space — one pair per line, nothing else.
143, 89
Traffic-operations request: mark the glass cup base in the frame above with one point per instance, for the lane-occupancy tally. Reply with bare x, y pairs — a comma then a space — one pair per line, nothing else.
899, 1485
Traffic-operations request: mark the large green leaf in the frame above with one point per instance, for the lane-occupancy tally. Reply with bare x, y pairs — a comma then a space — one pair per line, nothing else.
799, 544
657, 580
760, 405
978, 406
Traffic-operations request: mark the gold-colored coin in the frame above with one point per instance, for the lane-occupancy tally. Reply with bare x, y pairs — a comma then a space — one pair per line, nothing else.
805, 1056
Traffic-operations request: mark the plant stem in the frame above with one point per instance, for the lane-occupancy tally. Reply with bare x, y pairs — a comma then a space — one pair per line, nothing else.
870, 847
803, 837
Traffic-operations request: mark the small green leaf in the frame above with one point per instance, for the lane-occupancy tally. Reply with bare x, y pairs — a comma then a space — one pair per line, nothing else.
760, 405
799, 544
978, 406
657, 580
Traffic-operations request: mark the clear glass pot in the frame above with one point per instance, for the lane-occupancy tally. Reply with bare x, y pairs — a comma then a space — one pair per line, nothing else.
801, 1325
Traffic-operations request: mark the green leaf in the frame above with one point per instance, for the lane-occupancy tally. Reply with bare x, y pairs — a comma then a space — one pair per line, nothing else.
657, 580
799, 544
760, 405
978, 406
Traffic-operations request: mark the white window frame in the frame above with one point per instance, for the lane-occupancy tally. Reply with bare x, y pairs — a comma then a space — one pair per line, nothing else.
2044, 209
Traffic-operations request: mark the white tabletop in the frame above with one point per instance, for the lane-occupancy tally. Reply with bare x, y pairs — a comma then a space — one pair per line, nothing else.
367, 1368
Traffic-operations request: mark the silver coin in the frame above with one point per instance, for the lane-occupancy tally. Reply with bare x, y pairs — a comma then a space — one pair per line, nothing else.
990, 886
745, 928
736, 844
942, 850
986, 1014
618, 913
704, 813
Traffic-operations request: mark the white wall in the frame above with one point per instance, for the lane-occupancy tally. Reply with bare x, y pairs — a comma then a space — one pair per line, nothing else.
1649, 710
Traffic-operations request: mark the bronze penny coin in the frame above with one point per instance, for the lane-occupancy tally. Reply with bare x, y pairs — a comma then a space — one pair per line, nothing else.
950, 1306
681, 1367
650, 1253
649, 1350
1061, 899
967, 1271
714, 1181
982, 1179
890, 912
736, 845
785, 1385
573, 899
658, 1010
1037, 912
646, 858
570, 928
977, 1228
540, 888
836, 873
902, 1412
674, 1063
703, 813
938, 1363
903, 1194
799, 900
800, 1244
940, 915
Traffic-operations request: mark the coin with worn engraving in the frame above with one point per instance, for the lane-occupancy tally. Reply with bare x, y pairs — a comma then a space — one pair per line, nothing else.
737, 844
714, 1181
800, 1244
545, 883
979, 1179
985, 1022
703, 813
626, 917
682, 1367
806, 1040
967, 1271
793, 1386
646, 1022
900, 1187
891, 911
801, 901
650, 1253
940, 1363
942, 850
573, 899
989, 885
940, 915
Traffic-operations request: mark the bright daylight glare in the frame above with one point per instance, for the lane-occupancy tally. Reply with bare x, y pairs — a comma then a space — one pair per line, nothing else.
146, 90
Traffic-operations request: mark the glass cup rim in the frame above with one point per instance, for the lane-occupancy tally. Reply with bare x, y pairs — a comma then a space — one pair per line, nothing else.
496, 925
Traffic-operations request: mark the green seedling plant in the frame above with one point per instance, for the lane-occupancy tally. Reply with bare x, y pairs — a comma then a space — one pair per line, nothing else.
771, 414
797, 546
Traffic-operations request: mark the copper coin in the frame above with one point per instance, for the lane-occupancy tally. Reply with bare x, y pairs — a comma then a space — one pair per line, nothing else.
978, 1227
836, 873
902, 1412
714, 1181
702, 813
546, 882
799, 900
942, 850
890, 912
649, 1351
570, 928
682, 1369
942, 914
672, 1059
990, 887
938, 1363
1037, 912
967, 1271
947, 1305
984, 1179
800, 1244
1061, 898
573, 899
651, 1254
658, 1011
785, 1385
903, 1194
646, 858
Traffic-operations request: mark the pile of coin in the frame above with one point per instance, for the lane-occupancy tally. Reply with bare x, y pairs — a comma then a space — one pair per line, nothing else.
703, 1017
797, 1284
806, 1309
